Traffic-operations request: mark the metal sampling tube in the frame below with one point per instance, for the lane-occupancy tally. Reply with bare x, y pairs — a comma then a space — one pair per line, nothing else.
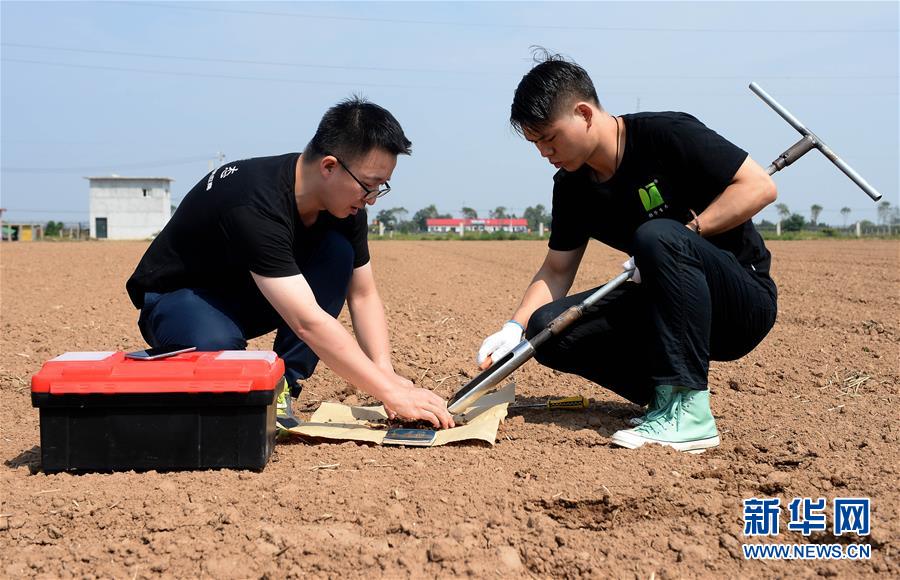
488, 379
484, 382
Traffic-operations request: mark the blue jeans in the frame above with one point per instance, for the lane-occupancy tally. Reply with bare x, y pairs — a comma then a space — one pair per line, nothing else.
220, 319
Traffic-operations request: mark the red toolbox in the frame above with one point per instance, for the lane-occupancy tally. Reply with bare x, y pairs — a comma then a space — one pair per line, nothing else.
100, 411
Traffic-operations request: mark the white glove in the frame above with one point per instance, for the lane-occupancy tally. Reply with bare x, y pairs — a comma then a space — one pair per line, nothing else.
500, 343
629, 264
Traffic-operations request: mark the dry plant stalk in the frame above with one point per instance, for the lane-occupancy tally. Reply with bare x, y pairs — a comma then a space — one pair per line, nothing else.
852, 382
325, 466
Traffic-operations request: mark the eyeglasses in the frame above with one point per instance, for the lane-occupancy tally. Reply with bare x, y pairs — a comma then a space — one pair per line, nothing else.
371, 194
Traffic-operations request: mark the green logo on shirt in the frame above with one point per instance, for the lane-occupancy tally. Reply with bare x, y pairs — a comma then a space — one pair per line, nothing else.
650, 196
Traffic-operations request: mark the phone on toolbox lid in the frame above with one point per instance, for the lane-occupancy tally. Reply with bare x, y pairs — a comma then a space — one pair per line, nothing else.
164, 351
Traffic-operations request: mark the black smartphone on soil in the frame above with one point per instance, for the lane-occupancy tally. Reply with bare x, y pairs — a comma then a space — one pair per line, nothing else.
414, 437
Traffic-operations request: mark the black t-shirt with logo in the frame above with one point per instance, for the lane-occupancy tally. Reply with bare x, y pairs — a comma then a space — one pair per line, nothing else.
671, 164
238, 219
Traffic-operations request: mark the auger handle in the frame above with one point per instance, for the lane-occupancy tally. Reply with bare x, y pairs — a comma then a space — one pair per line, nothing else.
810, 140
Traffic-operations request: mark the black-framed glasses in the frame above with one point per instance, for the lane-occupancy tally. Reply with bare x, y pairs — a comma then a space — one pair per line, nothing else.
371, 194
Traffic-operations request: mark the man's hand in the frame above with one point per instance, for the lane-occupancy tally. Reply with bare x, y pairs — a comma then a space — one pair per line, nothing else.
413, 403
629, 264
499, 344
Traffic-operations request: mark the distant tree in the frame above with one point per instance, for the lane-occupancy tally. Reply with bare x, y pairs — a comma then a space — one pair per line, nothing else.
421, 217
385, 217
53, 229
392, 218
784, 212
536, 215
499, 213
884, 212
469, 213
794, 223
401, 223
814, 211
399, 214
845, 211
765, 225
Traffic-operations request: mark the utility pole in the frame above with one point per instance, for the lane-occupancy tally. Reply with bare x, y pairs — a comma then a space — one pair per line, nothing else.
217, 161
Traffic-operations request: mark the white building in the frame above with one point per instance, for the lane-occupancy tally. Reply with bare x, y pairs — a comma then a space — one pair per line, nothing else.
129, 208
489, 225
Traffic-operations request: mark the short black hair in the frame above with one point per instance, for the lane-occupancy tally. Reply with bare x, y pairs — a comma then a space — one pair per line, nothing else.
354, 127
550, 85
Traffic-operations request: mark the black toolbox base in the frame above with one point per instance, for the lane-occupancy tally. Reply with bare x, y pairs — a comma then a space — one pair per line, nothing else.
108, 437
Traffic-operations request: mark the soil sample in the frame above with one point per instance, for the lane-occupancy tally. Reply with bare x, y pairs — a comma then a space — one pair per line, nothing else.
398, 423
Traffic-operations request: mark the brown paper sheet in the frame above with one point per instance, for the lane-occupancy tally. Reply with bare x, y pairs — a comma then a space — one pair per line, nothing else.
346, 423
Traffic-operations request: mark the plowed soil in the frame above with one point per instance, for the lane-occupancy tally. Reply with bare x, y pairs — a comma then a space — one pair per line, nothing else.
812, 412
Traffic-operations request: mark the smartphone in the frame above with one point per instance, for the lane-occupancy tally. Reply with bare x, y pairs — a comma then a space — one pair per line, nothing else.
164, 351
414, 437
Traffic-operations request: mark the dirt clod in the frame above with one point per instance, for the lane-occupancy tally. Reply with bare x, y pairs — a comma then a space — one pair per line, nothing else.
509, 559
444, 550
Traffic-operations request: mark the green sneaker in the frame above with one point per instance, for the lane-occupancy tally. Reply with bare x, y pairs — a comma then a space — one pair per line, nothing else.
660, 401
686, 424
284, 413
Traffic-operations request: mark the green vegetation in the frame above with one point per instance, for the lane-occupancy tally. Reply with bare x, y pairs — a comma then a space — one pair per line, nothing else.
828, 234
793, 226
395, 220
53, 229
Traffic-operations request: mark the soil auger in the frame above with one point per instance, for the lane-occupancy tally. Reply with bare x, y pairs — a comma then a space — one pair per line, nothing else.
488, 379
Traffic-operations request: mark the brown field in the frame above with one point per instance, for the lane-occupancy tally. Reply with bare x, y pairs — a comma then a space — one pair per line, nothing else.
812, 412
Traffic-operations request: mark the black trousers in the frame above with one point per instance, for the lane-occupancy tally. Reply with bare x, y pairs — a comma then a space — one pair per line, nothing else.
695, 303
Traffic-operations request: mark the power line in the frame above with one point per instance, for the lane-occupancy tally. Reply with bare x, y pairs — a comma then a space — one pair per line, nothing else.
799, 77
507, 25
141, 165
455, 87
238, 61
230, 77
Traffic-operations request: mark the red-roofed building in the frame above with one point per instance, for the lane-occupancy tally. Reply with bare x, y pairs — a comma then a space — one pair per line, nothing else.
459, 225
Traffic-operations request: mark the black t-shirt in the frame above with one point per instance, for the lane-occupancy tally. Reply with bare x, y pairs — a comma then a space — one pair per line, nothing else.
238, 219
671, 164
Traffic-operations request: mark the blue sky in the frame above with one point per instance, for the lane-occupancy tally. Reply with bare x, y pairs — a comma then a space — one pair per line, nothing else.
159, 88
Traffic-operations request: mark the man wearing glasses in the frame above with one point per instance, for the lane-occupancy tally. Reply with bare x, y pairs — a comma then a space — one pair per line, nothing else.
279, 243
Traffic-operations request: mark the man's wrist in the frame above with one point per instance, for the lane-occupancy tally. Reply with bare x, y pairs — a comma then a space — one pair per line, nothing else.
386, 366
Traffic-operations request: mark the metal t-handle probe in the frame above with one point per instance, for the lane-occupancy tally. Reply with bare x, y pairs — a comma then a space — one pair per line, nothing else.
809, 141
499, 370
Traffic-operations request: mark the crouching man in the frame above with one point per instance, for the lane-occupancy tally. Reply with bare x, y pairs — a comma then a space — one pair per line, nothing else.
678, 197
279, 243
